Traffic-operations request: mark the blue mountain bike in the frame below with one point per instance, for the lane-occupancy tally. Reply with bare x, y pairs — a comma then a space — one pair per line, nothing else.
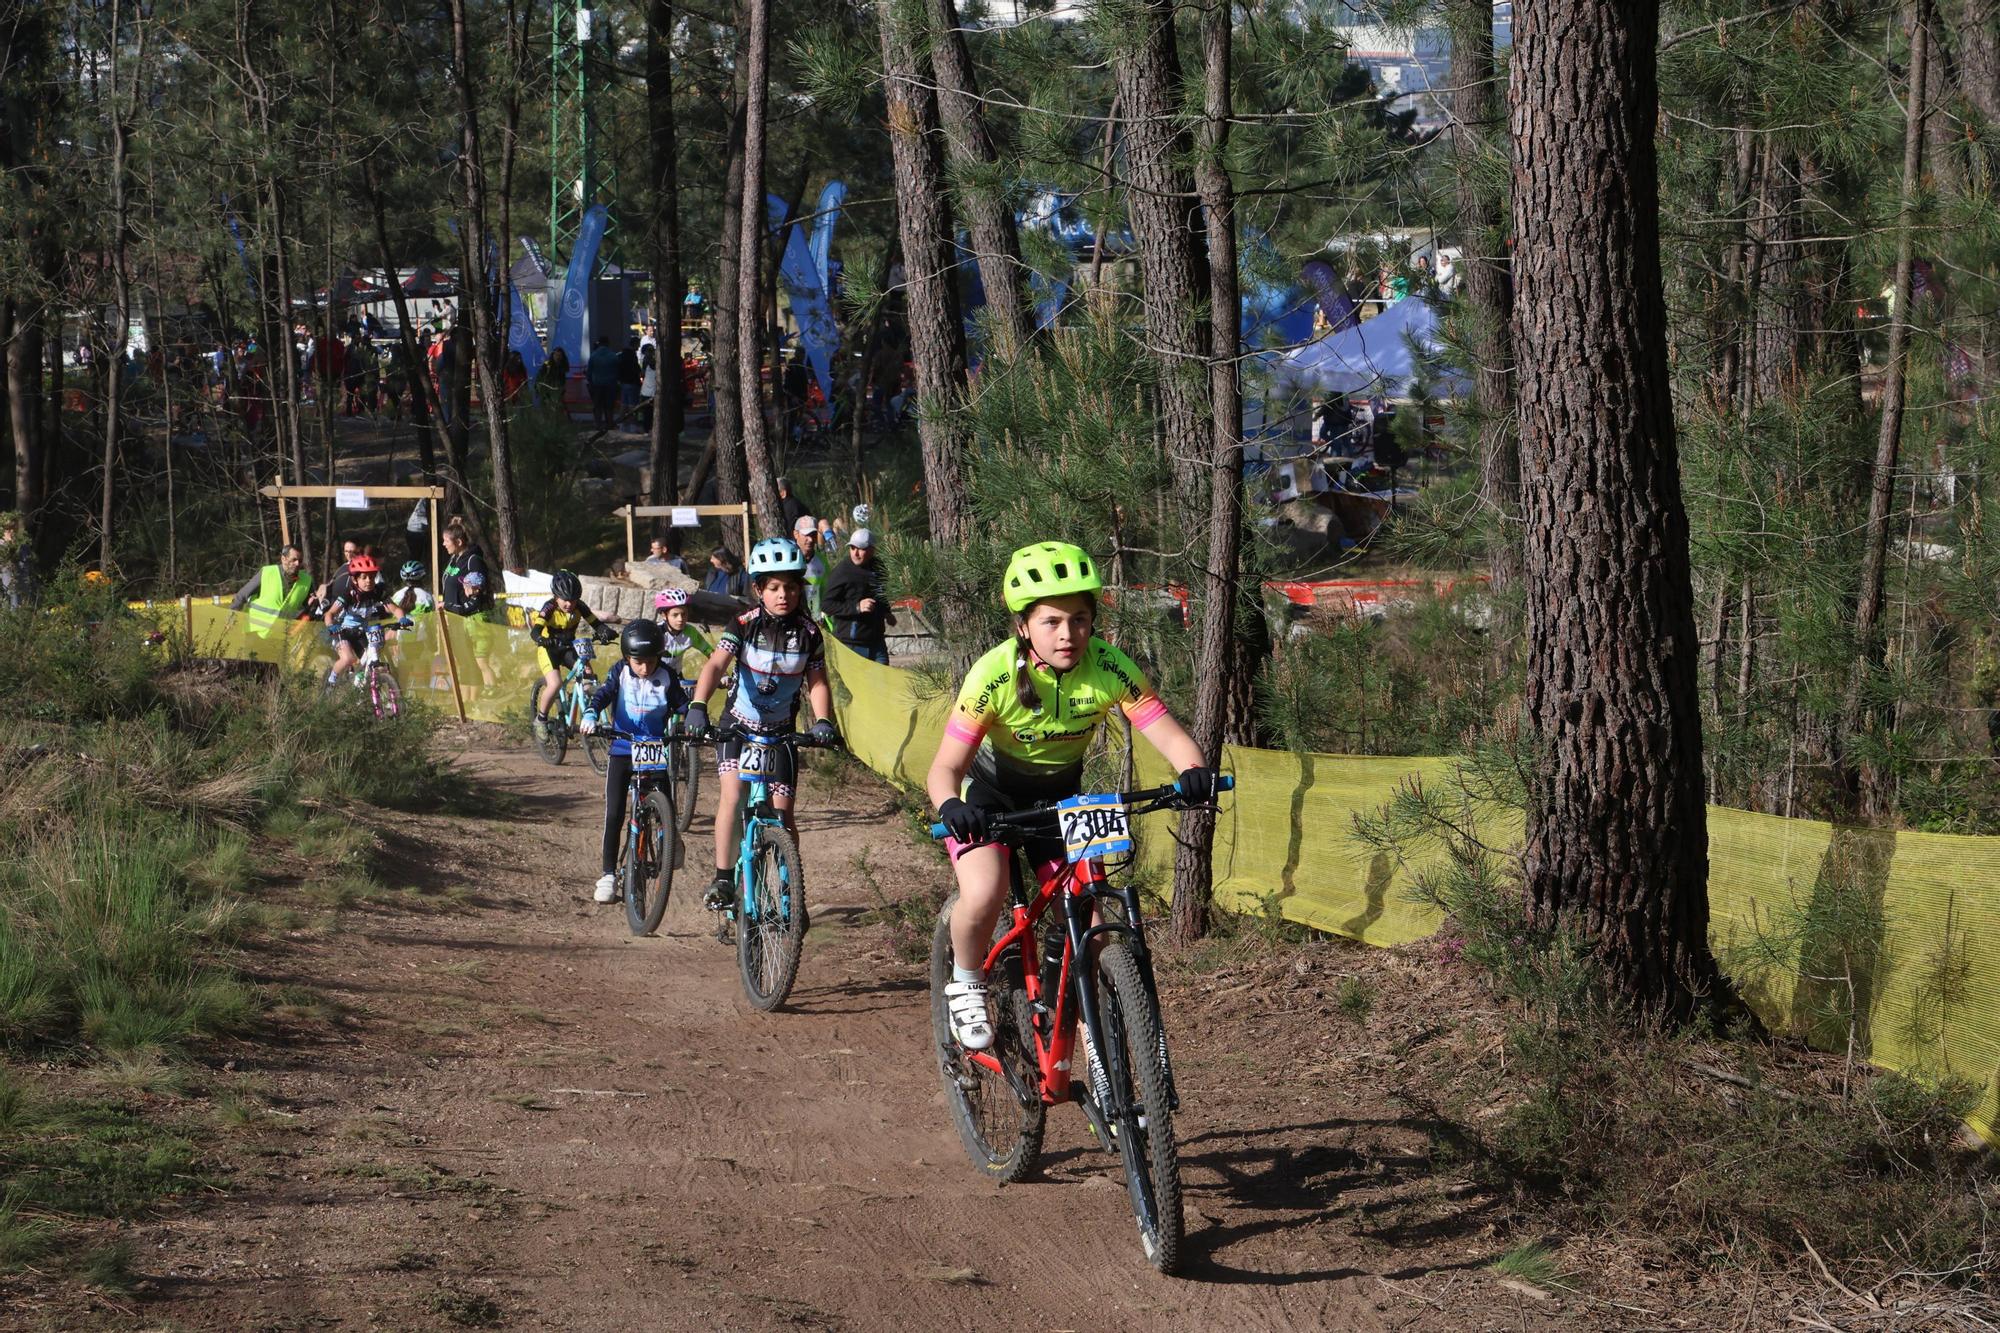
769, 912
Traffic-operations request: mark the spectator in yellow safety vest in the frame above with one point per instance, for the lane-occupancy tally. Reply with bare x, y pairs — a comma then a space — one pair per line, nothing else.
276, 592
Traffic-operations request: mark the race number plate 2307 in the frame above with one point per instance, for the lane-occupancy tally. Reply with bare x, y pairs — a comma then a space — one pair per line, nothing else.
649, 756
1094, 826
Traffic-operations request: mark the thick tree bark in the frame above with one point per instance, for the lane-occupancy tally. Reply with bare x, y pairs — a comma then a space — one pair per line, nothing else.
664, 453
1161, 204
937, 330
1863, 788
726, 427
1488, 296
988, 214
750, 276
1217, 666
475, 293
1617, 833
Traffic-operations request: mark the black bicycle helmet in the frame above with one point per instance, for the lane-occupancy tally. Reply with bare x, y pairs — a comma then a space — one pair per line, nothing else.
566, 585
643, 638
413, 571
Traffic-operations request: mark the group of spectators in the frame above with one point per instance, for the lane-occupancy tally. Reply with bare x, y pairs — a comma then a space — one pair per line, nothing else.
284, 590
845, 583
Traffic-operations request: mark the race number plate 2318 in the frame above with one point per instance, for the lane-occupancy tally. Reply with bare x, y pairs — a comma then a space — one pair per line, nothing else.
1094, 826
649, 756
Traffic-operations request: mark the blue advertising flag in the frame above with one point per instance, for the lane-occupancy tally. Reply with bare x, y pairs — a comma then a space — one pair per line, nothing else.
567, 330
827, 212
236, 234
1341, 313
819, 335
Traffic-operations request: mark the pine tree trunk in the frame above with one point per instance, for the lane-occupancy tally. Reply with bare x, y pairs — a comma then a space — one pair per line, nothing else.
751, 231
281, 363
1617, 833
988, 213
1214, 668
937, 331
476, 294
24, 402
121, 282
726, 426
1160, 202
422, 407
1865, 787
664, 454
1488, 298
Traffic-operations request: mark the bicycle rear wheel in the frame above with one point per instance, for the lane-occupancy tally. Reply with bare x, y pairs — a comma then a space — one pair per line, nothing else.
550, 732
651, 849
1133, 1057
383, 691
771, 918
1000, 1118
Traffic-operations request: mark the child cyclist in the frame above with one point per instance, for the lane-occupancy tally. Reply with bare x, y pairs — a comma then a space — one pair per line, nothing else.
779, 654
554, 629
1024, 721
670, 609
361, 603
638, 698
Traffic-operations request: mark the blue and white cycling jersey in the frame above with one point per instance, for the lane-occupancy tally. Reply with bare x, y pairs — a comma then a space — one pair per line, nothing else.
773, 658
638, 707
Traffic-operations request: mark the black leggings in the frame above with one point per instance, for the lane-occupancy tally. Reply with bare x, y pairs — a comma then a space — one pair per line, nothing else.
617, 776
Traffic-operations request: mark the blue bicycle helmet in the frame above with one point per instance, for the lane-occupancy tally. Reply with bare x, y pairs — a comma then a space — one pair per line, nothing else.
776, 555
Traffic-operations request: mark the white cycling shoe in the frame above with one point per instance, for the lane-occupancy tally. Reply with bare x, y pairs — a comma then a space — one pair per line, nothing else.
607, 889
971, 1024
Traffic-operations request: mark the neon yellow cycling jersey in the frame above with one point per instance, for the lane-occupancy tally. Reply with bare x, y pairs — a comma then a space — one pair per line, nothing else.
1043, 748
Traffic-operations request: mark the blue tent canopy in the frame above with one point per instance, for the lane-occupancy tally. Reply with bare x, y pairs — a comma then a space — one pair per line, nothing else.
1382, 355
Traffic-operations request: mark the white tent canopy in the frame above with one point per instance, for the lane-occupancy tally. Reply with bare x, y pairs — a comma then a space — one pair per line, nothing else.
1382, 355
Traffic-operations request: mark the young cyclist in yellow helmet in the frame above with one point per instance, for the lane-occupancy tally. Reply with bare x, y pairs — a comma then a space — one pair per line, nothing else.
1024, 721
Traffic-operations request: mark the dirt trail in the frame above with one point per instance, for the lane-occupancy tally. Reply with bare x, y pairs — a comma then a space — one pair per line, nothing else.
530, 1119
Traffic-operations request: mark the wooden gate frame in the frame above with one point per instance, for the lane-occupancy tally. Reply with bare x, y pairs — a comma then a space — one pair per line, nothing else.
628, 512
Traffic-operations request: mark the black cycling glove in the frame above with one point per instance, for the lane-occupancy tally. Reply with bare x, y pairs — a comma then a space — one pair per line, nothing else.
1198, 786
963, 821
825, 733
697, 721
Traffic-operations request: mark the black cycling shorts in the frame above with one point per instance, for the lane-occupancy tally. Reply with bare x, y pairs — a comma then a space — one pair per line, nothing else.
1039, 849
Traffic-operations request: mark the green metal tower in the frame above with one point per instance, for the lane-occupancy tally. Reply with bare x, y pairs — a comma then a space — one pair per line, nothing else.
577, 179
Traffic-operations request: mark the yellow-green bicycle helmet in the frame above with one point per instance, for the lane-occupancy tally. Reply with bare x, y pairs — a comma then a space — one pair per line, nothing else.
1048, 569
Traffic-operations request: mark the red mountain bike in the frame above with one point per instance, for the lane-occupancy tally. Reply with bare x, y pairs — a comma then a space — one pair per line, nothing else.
999, 1096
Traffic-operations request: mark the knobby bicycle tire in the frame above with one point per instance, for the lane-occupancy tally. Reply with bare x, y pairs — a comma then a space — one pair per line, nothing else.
650, 852
1133, 1064
552, 740
1002, 1130
768, 942
383, 692
686, 766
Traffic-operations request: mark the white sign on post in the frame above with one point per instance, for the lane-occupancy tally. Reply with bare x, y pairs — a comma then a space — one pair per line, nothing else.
350, 497
686, 517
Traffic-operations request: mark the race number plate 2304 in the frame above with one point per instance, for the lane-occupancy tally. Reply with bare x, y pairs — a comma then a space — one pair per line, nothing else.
1094, 826
649, 756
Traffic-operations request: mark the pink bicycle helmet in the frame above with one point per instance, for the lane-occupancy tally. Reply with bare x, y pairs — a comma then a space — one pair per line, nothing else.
670, 597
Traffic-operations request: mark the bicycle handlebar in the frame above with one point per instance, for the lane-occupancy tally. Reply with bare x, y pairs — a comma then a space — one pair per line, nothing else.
1044, 813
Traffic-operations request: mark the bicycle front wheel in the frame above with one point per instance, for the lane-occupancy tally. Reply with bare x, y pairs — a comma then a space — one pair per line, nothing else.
651, 848
687, 784
999, 1114
383, 691
551, 735
1133, 1064
771, 918
596, 751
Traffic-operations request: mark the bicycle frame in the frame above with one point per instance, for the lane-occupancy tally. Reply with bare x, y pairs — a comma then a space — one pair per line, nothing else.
755, 811
1079, 885
570, 694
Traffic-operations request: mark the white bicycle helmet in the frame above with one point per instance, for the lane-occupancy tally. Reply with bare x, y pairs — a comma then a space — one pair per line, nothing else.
862, 514
776, 555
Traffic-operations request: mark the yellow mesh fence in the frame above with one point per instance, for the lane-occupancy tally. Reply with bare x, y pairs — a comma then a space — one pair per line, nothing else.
1929, 995
1928, 991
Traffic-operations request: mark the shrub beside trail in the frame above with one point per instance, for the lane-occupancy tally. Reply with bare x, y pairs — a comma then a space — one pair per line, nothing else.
155, 814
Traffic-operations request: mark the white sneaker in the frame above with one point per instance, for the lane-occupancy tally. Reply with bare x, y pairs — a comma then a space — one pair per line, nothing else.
970, 1022
607, 889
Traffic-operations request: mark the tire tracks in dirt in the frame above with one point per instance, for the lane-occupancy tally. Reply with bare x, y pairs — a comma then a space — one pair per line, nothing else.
530, 1119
